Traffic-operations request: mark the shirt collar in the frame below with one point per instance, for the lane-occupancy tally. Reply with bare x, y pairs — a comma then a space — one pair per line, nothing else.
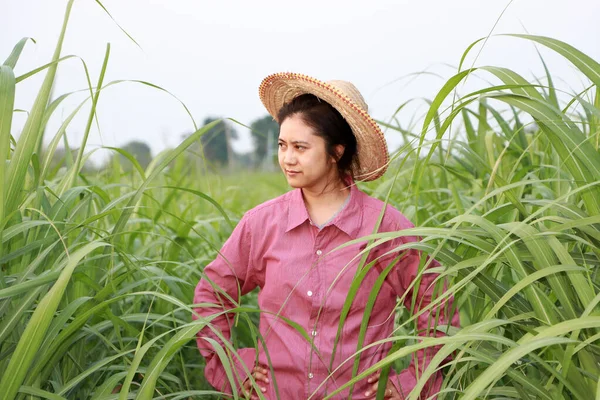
297, 213
348, 220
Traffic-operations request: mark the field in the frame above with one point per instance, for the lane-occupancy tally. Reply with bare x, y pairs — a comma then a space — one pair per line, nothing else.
97, 269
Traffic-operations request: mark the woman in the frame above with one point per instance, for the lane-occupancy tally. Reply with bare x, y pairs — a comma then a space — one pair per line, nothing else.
285, 247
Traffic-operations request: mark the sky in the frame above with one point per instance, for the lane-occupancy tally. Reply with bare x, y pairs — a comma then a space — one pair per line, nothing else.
212, 55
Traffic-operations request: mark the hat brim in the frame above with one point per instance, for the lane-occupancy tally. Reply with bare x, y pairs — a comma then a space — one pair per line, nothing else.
278, 89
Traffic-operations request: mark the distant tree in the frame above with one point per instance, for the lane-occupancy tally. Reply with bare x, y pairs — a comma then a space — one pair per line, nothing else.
262, 128
216, 143
245, 160
62, 158
139, 150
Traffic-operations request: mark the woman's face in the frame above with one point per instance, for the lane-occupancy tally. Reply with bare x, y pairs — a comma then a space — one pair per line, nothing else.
302, 156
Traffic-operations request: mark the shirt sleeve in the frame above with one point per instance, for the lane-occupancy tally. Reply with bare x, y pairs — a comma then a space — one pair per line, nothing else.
225, 279
417, 298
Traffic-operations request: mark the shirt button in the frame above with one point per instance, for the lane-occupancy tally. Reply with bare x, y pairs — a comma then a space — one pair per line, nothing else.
314, 333
319, 252
309, 293
310, 375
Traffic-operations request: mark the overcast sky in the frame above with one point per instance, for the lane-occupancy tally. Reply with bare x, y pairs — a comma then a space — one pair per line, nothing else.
212, 55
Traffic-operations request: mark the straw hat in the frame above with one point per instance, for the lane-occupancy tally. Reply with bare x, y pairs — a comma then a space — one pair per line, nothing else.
281, 88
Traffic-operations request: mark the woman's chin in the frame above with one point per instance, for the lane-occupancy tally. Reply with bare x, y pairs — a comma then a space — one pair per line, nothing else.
294, 183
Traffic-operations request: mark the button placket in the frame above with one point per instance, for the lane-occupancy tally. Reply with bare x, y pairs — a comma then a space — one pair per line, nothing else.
314, 290
315, 293
312, 293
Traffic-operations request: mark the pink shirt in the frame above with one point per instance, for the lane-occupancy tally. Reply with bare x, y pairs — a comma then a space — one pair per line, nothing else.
276, 248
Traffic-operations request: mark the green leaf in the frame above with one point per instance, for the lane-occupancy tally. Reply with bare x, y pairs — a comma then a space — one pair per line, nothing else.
36, 328
7, 101
11, 61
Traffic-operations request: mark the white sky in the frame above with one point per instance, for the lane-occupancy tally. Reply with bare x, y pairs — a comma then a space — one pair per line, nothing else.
213, 54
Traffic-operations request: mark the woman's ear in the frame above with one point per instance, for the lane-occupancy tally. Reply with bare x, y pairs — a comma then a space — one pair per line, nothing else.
339, 151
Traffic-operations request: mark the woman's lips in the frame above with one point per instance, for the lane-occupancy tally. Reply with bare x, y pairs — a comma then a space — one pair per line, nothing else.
291, 173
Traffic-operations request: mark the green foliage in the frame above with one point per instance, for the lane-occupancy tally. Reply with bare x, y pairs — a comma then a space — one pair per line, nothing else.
97, 269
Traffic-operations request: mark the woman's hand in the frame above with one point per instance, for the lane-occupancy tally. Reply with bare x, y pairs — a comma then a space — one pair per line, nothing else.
390, 390
260, 374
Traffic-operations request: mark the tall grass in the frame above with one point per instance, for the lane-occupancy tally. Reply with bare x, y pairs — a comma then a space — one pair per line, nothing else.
97, 269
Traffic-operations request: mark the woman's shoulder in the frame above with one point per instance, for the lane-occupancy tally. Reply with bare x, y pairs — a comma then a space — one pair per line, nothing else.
393, 219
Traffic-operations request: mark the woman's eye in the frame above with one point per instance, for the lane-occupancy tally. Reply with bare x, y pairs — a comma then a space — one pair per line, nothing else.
300, 147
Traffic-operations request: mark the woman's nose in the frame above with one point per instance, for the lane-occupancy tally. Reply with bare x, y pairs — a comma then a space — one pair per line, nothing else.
289, 157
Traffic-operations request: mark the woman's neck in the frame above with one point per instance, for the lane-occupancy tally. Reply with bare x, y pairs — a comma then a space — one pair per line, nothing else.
321, 206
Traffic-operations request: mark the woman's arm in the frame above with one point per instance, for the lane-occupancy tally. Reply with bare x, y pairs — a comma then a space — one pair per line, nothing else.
228, 277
